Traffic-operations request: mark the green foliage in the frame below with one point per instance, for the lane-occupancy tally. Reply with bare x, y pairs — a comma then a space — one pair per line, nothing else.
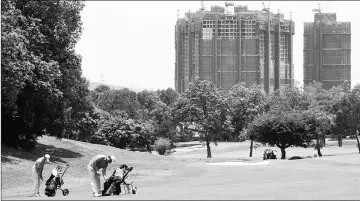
123, 99
162, 145
147, 100
296, 117
246, 103
97, 92
289, 98
41, 74
119, 130
348, 113
204, 111
162, 117
168, 96
283, 129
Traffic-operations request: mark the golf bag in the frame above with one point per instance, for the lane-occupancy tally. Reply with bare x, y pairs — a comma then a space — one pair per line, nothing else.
269, 154
55, 182
112, 185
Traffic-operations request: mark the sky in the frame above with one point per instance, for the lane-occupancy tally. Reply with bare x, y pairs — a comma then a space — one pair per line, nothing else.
132, 43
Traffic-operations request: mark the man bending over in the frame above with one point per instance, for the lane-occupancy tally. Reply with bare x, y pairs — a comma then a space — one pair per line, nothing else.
98, 162
37, 173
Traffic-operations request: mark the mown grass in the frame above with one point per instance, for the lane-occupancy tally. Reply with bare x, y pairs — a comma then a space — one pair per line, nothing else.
17, 165
187, 175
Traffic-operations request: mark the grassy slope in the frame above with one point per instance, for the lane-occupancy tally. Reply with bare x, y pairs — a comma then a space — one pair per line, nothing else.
16, 166
186, 175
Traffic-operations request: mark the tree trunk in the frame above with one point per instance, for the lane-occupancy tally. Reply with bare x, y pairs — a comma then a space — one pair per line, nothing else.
283, 153
148, 147
251, 147
132, 147
231, 138
208, 149
318, 146
319, 152
340, 140
358, 141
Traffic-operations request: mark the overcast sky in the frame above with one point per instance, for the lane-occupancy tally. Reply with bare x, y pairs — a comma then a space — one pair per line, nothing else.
132, 43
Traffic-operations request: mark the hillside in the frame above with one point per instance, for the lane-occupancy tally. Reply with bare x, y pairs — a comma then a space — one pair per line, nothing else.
16, 165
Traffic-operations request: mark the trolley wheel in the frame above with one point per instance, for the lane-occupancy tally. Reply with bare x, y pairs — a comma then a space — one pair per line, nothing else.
134, 189
65, 192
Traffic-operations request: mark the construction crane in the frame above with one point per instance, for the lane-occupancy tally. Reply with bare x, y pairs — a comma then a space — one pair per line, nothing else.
317, 10
267, 9
202, 6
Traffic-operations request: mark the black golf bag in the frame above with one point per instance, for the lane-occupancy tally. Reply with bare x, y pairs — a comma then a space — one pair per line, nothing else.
55, 182
269, 154
112, 185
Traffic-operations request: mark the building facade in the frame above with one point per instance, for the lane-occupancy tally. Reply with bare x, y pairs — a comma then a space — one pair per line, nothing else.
232, 44
327, 50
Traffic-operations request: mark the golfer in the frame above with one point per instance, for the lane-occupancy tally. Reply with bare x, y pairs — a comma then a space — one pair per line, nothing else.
37, 173
98, 162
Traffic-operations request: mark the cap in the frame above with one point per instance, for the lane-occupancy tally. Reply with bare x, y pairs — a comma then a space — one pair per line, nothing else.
112, 159
47, 157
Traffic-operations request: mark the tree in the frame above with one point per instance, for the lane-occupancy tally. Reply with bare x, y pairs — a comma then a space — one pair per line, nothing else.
97, 92
163, 120
348, 114
144, 134
289, 98
205, 111
168, 96
326, 101
318, 122
246, 103
147, 100
117, 129
122, 99
39, 67
283, 129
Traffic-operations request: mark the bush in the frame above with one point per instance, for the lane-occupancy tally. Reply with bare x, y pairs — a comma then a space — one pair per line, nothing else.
162, 145
295, 158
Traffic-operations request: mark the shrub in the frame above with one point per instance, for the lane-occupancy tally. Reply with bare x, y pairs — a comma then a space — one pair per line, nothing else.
162, 145
295, 158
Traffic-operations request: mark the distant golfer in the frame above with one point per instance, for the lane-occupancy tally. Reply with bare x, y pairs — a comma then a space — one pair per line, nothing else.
98, 162
37, 173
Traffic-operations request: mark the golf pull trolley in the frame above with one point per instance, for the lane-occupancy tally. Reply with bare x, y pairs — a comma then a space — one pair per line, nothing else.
112, 185
269, 154
55, 182
128, 187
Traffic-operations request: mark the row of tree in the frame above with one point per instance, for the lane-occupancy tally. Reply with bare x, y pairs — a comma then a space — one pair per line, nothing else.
124, 118
43, 92
288, 117
291, 116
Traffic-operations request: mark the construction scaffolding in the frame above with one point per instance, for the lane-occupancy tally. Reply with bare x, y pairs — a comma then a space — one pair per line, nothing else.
233, 44
327, 50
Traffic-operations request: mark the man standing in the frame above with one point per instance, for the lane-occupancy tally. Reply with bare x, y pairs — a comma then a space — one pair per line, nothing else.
37, 173
98, 162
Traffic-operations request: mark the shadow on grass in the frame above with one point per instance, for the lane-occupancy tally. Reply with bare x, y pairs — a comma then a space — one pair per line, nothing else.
5, 159
56, 154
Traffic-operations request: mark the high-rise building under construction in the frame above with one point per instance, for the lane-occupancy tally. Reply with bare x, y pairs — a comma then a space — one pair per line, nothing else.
327, 50
232, 44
